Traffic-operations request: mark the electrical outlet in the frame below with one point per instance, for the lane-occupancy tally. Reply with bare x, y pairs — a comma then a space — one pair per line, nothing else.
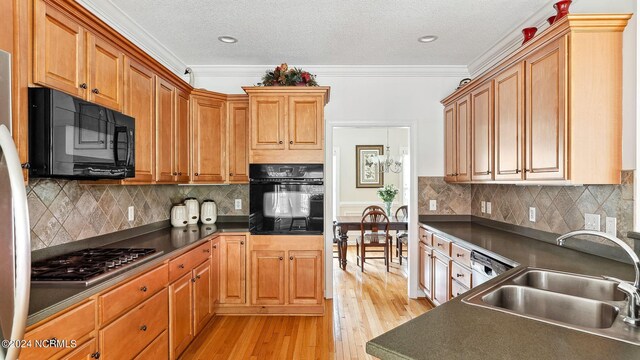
532, 214
488, 207
483, 207
132, 213
238, 204
592, 222
610, 225
433, 205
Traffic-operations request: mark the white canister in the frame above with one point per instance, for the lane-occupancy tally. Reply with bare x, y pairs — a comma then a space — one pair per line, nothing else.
193, 210
209, 212
179, 215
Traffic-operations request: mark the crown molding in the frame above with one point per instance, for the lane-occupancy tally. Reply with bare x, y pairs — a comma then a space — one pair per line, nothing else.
113, 16
337, 70
510, 42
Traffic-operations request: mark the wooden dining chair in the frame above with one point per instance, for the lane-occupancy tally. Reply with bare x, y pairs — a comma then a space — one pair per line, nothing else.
374, 233
336, 243
402, 236
373, 208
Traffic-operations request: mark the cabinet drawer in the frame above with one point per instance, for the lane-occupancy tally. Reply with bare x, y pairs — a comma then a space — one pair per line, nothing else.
124, 297
84, 351
457, 289
73, 325
158, 349
425, 236
461, 274
441, 244
460, 255
131, 333
186, 262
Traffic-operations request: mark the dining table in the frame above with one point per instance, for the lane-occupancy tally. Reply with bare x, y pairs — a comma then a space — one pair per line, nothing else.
353, 223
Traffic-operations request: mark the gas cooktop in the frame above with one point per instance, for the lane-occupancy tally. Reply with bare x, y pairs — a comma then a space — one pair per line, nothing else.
89, 266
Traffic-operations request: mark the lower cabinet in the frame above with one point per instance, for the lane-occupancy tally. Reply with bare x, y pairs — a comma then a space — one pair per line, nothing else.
215, 273
232, 269
426, 269
181, 317
440, 278
305, 277
268, 277
88, 350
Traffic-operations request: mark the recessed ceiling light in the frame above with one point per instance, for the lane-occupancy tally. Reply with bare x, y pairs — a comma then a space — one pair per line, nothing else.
228, 39
427, 38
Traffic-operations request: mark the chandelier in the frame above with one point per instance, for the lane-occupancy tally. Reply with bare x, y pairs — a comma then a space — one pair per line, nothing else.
388, 163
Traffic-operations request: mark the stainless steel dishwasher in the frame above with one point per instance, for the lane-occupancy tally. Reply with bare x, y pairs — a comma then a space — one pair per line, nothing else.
485, 268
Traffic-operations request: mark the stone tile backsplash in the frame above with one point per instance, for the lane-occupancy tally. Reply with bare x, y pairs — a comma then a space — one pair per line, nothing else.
559, 209
62, 211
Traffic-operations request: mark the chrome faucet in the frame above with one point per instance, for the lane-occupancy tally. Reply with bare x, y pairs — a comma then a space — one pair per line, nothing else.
632, 290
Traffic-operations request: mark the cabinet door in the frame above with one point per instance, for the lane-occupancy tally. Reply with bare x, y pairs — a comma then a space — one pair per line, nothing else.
181, 314
267, 122
305, 122
181, 138
267, 277
165, 113
426, 269
86, 351
463, 149
58, 49
202, 296
545, 112
238, 145
232, 270
215, 272
305, 277
482, 132
139, 103
209, 133
440, 278
105, 67
509, 123
450, 142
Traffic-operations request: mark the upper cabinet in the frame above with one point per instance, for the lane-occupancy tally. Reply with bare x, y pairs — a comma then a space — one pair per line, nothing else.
287, 124
238, 139
71, 59
209, 134
549, 113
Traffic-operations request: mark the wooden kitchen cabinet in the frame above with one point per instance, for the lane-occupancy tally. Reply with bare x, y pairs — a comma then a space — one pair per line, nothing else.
165, 133
182, 138
482, 132
426, 269
215, 273
209, 138
463, 139
232, 269
305, 277
287, 124
545, 112
441, 282
238, 139
450, 142
181, 315
71, 59
139, 103
509, 123
86, 351
202, 308
267, 277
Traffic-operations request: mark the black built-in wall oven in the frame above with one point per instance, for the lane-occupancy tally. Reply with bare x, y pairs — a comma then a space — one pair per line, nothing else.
286, 199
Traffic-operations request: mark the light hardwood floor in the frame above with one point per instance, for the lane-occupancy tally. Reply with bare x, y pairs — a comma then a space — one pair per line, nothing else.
364, 305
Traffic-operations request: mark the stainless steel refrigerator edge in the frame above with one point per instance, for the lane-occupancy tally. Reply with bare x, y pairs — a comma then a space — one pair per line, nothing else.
15, 244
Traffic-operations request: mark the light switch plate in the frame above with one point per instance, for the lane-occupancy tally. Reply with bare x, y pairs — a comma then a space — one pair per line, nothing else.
488, 207
610, 225
131, 213
238, 204
592, 222
433, 205
483, 207
532, 214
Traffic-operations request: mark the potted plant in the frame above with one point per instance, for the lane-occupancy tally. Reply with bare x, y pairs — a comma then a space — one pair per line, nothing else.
284, 76
388, 193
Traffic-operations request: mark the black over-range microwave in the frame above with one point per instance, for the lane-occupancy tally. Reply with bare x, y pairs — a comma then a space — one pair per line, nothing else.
75, 139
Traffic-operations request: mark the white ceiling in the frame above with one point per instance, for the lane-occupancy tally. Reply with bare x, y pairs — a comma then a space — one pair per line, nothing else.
329, 32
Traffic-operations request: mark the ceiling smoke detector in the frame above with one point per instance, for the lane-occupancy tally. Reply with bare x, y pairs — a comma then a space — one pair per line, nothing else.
227, 39
427, 38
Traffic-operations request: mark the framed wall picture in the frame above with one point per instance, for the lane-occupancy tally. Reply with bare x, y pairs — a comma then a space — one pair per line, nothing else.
367, 170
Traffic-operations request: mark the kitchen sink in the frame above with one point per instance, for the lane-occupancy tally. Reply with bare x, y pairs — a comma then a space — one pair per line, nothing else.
571, 284
584, 303
553, 306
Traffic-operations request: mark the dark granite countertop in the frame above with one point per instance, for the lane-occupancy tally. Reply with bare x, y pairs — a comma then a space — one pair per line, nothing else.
46, 300
456, 330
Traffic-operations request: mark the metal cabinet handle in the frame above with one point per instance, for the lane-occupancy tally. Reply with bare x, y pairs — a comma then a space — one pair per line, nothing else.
438, 244
197, 174
230, 174
206, 250
518, 171
175, 174
181, 266
241, 242
526, 170
95, 91
193, 279
83, 86
291, 142
456, 174
180, 173
280, 142
197, 277
281, 258
215, 246
290, 257
459, 275
95, 355
143, 289
143, 327
459, 255
488, 172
